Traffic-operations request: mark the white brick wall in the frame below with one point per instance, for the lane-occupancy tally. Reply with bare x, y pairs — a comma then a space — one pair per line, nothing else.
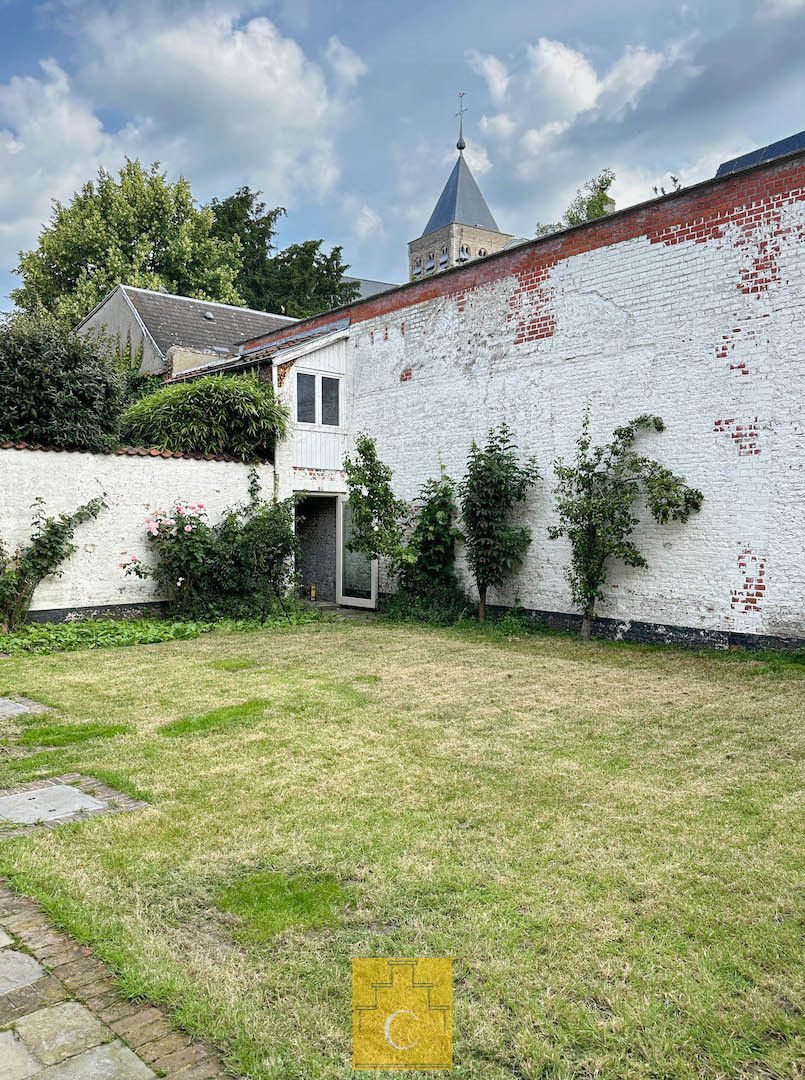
132, 487
638, 326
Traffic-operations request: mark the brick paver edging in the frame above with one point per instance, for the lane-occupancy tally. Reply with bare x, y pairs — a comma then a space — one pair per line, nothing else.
72, 973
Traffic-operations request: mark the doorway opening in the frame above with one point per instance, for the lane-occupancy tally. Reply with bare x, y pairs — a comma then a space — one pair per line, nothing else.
316, 531
329, 571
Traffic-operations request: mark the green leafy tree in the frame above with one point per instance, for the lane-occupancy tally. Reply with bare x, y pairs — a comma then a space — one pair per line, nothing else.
217, 414
378, 517
58, 388
592, 201
245, 216
50, 544
595, 500
136, 228
496, 480
302, 280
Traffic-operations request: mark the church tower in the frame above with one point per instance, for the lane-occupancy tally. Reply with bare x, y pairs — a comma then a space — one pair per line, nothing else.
461, 226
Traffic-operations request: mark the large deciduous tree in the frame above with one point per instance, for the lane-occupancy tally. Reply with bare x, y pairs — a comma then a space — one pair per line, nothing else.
496, 480
299, 281
136, 228
595, 500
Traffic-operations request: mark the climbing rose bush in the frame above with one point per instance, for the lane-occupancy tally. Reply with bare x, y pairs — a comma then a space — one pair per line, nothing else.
241, 567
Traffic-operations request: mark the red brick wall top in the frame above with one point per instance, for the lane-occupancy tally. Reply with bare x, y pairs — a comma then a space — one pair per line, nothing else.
698, 214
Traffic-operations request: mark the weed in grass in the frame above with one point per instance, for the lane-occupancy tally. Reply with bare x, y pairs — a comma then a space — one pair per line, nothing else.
233, 664
371, 679
216, 719
269, 902
64, 735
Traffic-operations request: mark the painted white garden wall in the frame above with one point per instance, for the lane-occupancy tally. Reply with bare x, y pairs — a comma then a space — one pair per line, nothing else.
132, 487
691, 307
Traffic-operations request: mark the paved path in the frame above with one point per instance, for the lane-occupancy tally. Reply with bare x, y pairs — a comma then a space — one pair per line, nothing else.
61, 1017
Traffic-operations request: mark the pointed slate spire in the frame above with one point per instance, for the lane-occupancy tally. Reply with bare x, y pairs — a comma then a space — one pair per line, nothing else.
461, 201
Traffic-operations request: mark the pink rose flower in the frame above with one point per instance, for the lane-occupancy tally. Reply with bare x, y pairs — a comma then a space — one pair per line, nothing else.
188, 528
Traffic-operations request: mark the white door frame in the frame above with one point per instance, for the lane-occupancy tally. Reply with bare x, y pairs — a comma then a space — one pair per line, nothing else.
349, 601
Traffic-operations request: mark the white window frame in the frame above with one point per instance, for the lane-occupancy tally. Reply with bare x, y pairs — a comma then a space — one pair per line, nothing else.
317, 424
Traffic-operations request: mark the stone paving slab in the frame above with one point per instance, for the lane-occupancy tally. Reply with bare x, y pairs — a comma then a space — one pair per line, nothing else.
16, 1060
62, 1018
61, 1032
17, 969
48, 804
20, 706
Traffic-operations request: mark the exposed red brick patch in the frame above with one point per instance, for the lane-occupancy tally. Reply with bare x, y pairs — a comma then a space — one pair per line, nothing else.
531, 305
406, 375
752, 566
745, 433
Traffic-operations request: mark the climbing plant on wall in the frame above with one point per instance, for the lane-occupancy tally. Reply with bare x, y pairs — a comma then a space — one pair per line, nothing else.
596, 495
496, 480
50, 544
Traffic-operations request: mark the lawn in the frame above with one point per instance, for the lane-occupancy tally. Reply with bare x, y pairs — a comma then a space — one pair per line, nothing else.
607, 841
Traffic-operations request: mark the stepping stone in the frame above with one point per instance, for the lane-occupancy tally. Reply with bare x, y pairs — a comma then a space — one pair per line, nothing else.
5, 939
114, 1061
9, 707
61, 1032
18, 969
16, 1062
46, 804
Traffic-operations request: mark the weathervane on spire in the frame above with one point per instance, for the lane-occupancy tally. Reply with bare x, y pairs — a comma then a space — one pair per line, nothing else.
460, 114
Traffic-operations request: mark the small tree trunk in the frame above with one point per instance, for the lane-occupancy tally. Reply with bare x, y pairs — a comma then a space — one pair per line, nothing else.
587, 622
482, 603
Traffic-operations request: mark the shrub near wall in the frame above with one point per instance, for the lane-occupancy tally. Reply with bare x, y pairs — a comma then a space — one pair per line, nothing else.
56, 388
219, 414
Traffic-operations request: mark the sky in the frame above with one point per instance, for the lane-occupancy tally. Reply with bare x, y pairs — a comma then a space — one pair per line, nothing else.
343, 111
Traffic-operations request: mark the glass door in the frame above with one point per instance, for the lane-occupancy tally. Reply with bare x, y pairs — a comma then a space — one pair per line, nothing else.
357, 574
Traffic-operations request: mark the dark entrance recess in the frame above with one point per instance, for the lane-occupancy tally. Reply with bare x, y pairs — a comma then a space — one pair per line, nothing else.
315, 528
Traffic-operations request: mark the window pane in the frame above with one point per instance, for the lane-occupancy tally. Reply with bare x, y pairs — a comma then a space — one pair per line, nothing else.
329, 401
305, 398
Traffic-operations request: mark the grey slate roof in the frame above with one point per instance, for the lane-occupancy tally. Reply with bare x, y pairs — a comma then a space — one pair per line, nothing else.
182, 320
765, 153
368, 287
461, 202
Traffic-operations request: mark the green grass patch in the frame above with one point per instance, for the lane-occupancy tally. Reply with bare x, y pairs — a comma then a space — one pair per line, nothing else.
269, 902
216, 719
44, 638
606, 838
233, 664
65, 735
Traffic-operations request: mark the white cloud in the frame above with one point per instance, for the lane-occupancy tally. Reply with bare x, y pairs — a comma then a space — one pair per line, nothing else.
345, 62
780, 9
225, 100
492, 69
562, 79
500, 125
367, 223
562, 87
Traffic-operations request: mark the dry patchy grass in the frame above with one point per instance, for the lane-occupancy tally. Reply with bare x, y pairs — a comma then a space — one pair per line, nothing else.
605, 840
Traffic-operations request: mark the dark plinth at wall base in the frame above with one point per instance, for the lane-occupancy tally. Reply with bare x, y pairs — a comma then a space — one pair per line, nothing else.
152, 609
657, 633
